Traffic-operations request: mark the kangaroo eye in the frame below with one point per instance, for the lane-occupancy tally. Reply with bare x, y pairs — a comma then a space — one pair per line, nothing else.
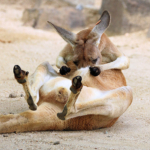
94, 61
76, 62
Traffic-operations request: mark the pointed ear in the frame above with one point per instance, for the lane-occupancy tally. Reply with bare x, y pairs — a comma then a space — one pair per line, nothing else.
100, 27
68, 36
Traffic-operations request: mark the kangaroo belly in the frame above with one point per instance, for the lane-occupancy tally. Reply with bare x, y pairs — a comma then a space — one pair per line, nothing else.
113, 78
107, 80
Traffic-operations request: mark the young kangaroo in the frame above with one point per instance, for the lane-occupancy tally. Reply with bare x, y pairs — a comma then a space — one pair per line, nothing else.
90, 47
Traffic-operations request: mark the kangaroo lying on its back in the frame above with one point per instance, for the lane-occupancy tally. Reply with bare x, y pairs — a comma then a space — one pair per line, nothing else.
60, 104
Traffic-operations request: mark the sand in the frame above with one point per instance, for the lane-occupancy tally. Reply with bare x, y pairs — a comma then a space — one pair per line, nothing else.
29, 47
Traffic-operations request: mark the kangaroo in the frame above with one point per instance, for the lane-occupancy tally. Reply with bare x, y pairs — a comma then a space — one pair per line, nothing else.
58, 103
90, 47
90, 92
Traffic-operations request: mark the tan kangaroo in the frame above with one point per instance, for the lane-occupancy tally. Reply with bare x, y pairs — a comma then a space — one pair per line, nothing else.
95, 103
90, 47
86, 103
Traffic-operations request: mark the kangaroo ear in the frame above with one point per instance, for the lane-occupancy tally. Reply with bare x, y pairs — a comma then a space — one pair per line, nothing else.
68, 36
100, 27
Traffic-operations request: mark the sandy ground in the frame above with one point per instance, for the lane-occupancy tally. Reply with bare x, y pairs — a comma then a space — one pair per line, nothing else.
29, 47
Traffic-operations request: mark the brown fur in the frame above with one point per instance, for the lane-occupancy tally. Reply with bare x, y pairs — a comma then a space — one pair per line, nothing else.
85, 51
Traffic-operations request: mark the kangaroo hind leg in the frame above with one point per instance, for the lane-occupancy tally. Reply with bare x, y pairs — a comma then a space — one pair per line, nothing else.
91, 101
44, 118
70, 105
32, 84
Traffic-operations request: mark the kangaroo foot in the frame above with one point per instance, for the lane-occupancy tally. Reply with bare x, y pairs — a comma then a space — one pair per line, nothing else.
69, 107
62, 115
21, 77
31, 104
76, 84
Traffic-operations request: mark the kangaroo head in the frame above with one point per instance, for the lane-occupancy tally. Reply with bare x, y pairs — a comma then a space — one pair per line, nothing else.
85, 43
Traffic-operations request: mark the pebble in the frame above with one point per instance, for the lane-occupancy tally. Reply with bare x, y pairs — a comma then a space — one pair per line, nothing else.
5, 135
79, 7
11, 113
21, 95
56, 143
105, 132
12, 95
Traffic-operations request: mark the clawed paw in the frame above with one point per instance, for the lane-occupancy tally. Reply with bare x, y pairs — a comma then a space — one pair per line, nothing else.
64, 70
95, 71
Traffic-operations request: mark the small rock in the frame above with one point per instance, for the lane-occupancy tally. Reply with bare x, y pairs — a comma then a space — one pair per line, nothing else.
105, 132
21, 95
12, 95
79, 7
56, 143
11, 113
5, 135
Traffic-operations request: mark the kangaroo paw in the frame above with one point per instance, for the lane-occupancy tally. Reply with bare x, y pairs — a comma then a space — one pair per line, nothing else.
94, 71
64, 70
